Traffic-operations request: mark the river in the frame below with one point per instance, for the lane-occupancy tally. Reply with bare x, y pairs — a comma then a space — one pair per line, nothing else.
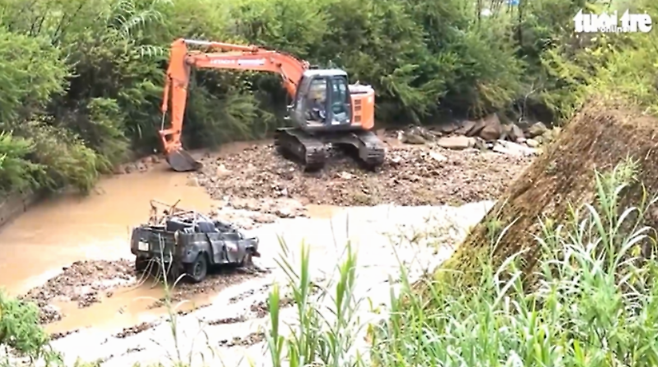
57, 232
62, 230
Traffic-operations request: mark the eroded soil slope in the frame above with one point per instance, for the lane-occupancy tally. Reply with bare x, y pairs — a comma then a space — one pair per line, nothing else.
602, 136
411, 175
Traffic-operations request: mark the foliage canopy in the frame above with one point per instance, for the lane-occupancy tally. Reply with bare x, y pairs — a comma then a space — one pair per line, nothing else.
82, 79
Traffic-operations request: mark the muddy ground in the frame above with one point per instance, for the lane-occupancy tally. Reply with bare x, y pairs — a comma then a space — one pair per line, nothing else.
264, 187
89, 282
411, 175
230, 331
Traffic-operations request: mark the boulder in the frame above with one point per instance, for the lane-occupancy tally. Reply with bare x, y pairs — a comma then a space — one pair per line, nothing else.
536, 130
410, 138
456, 142
508, 147
492, 129
448, 128
532, 143
516, 133
468, 128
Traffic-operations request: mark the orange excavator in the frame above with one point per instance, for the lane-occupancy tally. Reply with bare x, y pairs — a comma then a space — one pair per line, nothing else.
326, 111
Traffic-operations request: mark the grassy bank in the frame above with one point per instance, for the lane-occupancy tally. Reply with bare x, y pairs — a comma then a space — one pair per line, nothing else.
92, 99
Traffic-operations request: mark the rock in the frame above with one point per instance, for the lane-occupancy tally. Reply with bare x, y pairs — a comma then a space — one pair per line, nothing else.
119, 170
222, 171
456, 142
423, 133
438, 157
516, 133
492, 129
192, 181
548, 135
345, 175
468, 128
284, 213
536, 129
532, 143
508, 147
448, 128
481, 144
129, 168
411, 137
141, 167
155, 159
264, 218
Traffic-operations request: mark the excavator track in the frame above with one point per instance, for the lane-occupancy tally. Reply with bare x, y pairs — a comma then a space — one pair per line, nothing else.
296, 143
312, 151
370, 150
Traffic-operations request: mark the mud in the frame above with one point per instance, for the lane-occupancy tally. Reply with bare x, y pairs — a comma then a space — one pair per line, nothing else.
134, 330
262, 308
251, 339
259, 179
89, 282
230, 329
83, 282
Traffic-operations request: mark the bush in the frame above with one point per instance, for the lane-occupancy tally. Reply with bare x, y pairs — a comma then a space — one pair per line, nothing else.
20, 330
99, 77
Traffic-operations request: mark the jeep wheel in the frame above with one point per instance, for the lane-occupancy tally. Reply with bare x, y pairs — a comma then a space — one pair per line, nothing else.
140, 264
198, 269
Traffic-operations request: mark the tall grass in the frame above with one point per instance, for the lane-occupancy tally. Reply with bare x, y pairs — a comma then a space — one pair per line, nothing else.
592, 302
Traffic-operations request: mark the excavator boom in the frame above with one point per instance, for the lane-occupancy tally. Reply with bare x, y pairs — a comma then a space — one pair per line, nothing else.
349, 109
235, 57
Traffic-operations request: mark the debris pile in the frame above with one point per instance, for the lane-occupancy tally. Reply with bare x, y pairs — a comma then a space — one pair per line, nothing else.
83, 282
517, 138
259, 179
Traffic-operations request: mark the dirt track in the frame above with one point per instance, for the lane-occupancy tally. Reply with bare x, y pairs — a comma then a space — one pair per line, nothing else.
411, 175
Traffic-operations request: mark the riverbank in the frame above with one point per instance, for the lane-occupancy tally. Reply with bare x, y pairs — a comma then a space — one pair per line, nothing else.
15, 204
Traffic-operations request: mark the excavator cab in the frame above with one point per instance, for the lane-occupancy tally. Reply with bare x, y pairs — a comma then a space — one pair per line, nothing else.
323, 101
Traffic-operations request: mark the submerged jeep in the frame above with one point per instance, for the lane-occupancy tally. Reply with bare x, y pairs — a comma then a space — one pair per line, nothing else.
189, 245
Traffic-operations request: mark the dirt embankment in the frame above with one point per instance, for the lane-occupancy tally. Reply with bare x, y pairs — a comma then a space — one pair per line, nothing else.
603, 135
411, 175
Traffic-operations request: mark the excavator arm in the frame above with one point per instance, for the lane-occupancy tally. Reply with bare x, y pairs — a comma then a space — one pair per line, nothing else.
223, 56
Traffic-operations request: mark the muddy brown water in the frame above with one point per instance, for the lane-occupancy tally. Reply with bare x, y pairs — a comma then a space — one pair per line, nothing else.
57, 232
60, 231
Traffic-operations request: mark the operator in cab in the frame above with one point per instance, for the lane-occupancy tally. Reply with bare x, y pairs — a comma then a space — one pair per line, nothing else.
317, 109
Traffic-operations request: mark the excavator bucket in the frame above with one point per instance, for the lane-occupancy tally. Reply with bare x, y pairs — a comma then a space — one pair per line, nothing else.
182, 161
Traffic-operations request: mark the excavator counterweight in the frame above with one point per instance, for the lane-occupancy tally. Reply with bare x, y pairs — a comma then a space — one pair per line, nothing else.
326, 110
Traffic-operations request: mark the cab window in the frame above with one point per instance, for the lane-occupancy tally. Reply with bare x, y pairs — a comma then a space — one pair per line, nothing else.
340, 97
316, 100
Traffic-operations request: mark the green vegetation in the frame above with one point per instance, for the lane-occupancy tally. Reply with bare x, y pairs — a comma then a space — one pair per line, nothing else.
82, 79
